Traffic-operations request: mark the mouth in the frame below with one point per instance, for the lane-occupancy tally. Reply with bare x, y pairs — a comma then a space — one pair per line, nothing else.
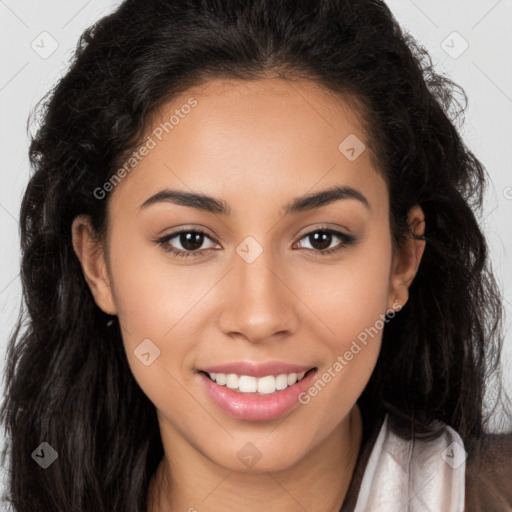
250, 385
263, 398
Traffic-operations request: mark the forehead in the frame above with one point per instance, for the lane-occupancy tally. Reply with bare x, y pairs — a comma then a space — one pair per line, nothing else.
272, 137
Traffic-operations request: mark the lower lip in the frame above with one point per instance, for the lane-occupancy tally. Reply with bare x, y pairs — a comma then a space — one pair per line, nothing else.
253, 407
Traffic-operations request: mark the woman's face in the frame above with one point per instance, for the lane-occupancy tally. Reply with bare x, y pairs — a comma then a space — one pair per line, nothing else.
258, 287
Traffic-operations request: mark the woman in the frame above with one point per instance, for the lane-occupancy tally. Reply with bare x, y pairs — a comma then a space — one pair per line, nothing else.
194, 343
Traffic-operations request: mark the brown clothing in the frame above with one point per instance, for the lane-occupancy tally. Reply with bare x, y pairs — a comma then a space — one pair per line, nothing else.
488, 472
489, 476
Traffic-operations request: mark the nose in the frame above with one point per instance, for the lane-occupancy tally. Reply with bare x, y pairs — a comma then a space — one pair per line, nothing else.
259, 304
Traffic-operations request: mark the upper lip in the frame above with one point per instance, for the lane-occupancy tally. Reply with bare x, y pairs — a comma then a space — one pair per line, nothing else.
257, 369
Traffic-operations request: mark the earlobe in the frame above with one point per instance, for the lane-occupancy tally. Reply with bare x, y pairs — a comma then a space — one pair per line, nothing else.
91, 255
406, 260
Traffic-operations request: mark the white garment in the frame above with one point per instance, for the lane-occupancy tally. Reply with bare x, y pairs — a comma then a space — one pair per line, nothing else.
424, 476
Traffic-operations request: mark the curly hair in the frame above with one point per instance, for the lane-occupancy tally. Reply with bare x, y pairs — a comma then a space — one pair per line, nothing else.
68, 381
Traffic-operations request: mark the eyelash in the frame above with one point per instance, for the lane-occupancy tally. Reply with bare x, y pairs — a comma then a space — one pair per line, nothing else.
163, 242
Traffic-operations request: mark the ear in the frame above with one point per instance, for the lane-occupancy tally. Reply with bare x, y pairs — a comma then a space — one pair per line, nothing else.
406, 260
92, 258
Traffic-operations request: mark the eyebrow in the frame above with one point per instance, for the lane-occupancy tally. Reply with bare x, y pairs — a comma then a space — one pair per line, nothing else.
213, 205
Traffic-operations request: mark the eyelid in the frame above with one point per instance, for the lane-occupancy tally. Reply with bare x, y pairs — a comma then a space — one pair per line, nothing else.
346, 240
324, 227
175, 234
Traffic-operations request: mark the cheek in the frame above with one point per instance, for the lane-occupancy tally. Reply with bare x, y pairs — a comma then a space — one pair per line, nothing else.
152, 294
349, 295
350, 299
153, 301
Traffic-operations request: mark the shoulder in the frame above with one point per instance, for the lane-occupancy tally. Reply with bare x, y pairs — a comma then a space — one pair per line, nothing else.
489, 475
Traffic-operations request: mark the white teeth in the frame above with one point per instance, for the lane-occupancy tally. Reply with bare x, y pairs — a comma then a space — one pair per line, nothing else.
263, 385
282, 381
232, 381
267, 384
247, 384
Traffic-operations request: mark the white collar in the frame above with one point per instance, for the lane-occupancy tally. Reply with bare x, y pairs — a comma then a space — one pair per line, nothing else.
419, 476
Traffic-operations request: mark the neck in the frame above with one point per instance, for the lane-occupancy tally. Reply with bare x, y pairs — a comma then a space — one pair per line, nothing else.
317, 482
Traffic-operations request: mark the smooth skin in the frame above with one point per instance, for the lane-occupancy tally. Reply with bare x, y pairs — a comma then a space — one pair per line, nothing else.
256, 145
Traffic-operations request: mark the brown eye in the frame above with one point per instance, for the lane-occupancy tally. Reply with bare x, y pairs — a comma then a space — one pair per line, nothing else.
190, 241
321, 240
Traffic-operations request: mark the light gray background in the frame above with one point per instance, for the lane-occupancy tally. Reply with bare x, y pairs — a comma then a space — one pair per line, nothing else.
483, 70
